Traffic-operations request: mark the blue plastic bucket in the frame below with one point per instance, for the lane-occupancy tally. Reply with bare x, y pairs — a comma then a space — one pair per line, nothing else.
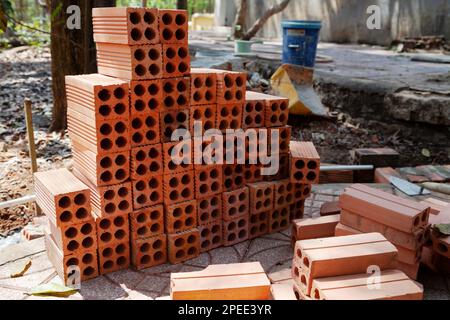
300, 39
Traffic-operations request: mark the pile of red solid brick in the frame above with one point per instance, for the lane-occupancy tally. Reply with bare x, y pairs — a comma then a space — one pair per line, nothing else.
146, 208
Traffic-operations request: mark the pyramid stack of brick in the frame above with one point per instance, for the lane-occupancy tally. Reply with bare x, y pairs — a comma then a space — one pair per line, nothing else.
148, 208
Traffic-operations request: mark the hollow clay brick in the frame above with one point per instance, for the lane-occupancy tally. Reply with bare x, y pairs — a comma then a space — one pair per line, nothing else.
252, 173
330, 208
98, 136
233, 177
231, 86
391, 285
235, 204
284, 193
210, 236
149, 252
297, 210
208, 180
173, 26
146, 162
229, 116
145, 129
101, 170
62, 197
128, 26
112, 230
147, 192
305, 163
378, 157
176, 93
258, 224
235, 231
208, 150
436, 205
143, 62
174, 152
302, 191
412, 241
253, 113
283, 169
406, 256
261, 197
146, 97
209, 209
98, 97
329, 257
276, 109
441, 244
180, 217
172, 121
203, 88
75, 239
283, 292
205, 116
383, 175
299, 295
183, 246
114, 257
147, 223
178, 187
384, 211
83, 265
279, 219
111, 200
241, 281
284, 139
314, 228
411, 270
176, 60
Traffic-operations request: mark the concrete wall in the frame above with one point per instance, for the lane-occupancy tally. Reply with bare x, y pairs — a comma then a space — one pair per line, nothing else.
345, 20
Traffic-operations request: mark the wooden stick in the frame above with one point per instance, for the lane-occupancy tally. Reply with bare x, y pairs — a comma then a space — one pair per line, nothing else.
31, 144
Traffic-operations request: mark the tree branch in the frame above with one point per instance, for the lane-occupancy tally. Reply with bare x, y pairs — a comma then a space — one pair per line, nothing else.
276, 8
241, 15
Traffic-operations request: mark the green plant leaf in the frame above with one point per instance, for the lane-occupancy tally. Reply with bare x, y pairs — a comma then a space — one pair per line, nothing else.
443, 229
53, 289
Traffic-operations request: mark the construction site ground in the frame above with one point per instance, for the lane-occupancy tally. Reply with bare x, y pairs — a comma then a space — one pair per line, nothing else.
273, 251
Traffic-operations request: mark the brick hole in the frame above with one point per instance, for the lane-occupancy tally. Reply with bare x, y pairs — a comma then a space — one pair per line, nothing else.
64, 202
306, 262
72, 262
154, 54
253, 231
158, 256
73, 245
146, 259
108, 264
183, 67
141, 199
121, 142
104, 95
142, 231
71, 233
104, 110
124, 205
120, 174
242, 197
154, 69
119, 221
81, 213
191, 239
106, 177
119, 93
182, 100
282, 118
182, 52
238, 181
149, 18
263, 227
181, 117
171, 53
105, 224
135, 17
106, 237
180, 19
299, 164
80, 199
273, 119
192, 251
88, 258
140, 70
283, 106
189, 222
120, 108
121, 261
311, 176
136, 34
205, 244
239, 95
215, 186
242, 234
87, 243
186, 193
424, 217
228, 95
121, 249
120, 127
179, 242
86, 229
167, 34
139, 54
150, 34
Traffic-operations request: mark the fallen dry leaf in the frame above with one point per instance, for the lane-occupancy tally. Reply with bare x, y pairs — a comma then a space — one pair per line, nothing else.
25, 268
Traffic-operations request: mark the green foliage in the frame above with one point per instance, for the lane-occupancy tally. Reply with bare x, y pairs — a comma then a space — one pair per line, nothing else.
5, 9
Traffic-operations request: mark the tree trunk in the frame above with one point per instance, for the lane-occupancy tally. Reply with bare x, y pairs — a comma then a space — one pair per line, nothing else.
144, 3
277, 8
240, 21
182, 4
73, 52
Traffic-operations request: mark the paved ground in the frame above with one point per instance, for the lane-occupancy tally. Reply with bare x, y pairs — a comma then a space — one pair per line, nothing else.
273, 251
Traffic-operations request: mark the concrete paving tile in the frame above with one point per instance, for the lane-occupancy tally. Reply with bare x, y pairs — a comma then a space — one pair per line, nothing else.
139, 295
242, 248
22, 250
263, 244
162, 269
126, 278
224, 255
101, 289
202, 260
272, 256
32, 278
432, 280
187, 268
153, 284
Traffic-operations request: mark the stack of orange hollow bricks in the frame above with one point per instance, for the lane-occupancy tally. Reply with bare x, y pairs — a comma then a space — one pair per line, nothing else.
148, 208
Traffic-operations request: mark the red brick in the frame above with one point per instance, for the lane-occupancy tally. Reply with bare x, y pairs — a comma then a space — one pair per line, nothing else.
173, 26
208, 180
146, 162
180, 217
179, 187
235, 204
146, 97
147, 223
150, 252
172, 121
235, 231
176, 93
229, 116
147, 192
209, 209
184, 155
112, 230
258, 224
145, 130
176, 60
206, 114
203, 88
279, 220
261, 197
210, 236
183, 246
114, 257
